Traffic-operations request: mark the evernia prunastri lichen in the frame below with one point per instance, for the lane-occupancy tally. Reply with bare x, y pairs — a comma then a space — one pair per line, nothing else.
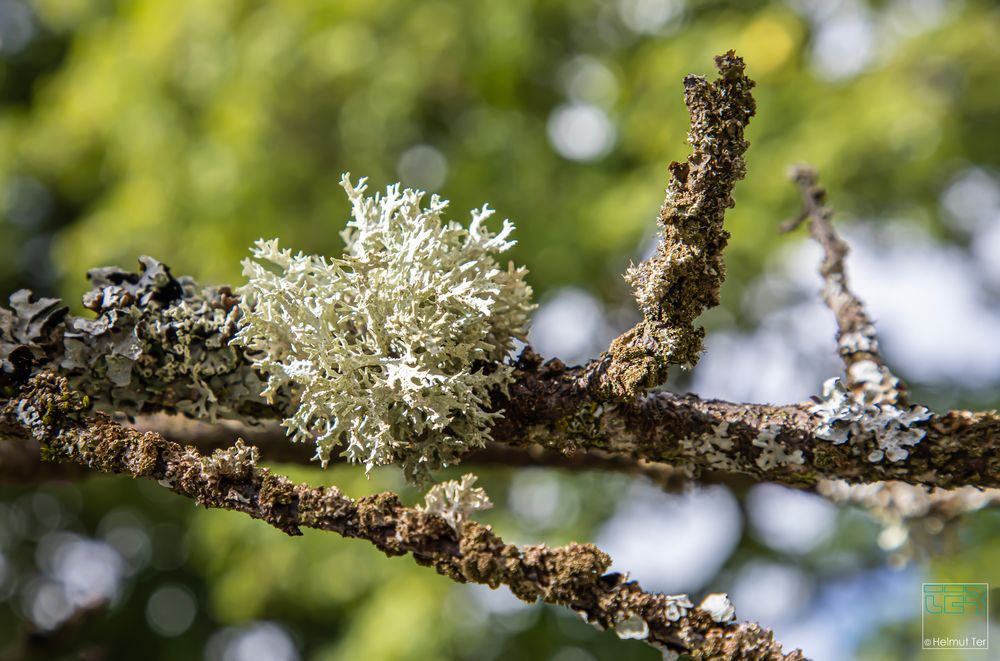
394, 348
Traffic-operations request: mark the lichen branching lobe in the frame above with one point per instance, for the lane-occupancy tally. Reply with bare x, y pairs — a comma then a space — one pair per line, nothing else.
394, 349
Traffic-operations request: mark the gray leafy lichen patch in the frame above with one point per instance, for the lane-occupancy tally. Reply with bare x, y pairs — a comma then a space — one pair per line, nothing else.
161, 339
393, 350
774, 453
26, 334
157, 343
860, 419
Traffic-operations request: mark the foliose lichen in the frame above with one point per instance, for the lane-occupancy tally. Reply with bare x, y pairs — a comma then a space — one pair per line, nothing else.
677, 606
860, 418
455, 500
393, 349
774, 453
719, 607
162, 339
24, 334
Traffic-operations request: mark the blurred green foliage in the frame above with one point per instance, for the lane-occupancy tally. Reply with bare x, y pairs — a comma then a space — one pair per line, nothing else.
187, 129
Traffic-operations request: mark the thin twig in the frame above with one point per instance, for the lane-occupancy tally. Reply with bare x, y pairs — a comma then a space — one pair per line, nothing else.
856, 336
870, 379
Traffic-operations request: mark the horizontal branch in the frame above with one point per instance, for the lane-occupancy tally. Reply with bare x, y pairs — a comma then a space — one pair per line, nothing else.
20, 462
574, 576
147, 352
552, 405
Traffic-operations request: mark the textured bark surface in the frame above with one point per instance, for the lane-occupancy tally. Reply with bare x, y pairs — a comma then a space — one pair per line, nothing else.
20, 462
550, 404
574, 576
857, 340
683, 277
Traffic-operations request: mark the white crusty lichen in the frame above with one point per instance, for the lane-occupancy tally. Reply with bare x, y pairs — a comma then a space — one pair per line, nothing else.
719, 607
714, 448
632, 627
455, 500
847, 417
773, 453
677, 606
394, 348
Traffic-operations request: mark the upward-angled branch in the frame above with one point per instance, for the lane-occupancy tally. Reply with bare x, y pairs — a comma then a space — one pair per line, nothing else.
682, 279
857, 341
871, 383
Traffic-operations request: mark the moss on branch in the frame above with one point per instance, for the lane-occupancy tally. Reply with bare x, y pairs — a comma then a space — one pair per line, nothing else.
574, 576
684, 276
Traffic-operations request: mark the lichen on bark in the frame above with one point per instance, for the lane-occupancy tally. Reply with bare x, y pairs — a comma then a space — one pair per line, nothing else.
684, 276
395, 348
157, 343
574, 576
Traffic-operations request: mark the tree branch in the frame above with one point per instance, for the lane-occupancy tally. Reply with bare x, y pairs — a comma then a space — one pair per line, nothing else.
683, 278
870, 381
857, 340
550, 406
163, 344
20, 462
574, 576
180, 362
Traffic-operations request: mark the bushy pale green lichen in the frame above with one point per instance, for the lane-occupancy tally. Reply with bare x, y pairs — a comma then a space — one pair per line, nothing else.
394, 348
455, 500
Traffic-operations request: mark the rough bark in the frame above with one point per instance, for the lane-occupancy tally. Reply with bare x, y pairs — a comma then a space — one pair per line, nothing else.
20, 462
574, 576
550, 404
683, 277
160, 344
871, 383
857, 340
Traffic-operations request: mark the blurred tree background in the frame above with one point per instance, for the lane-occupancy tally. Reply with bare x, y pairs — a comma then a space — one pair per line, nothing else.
187, 129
